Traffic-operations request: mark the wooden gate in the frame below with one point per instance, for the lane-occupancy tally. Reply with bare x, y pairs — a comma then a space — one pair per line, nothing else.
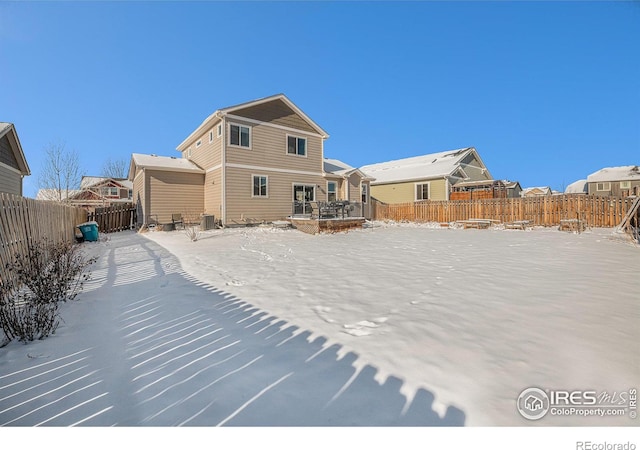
114, 218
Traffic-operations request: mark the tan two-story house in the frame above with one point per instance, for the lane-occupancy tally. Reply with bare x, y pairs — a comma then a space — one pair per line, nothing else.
246, 164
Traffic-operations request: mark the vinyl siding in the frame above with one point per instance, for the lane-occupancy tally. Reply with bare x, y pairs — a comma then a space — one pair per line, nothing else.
139, 196
242, 208
10, 181
213, 193
269, 149
615, 189
208, 154
354, 188
406, 192
6, 153
276, 112
174, 192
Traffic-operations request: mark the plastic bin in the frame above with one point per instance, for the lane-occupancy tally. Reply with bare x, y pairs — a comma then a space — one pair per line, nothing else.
89, 231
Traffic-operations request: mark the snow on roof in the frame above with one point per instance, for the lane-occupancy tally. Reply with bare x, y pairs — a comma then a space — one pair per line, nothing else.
545, 190
88, 181
52, 194
165, 163
577, 187
433, 165
621, 173
337, 167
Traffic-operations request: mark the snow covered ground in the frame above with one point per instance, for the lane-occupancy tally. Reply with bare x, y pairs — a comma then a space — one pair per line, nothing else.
396, 324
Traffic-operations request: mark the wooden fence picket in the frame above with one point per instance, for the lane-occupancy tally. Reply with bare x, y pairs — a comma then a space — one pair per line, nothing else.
540, 211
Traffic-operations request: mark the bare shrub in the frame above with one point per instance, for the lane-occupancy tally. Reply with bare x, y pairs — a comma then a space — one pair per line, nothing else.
38, 280
191, 223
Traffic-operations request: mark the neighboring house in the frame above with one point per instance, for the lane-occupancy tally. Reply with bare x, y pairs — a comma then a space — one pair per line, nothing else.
514, 190
615, 181
539, 191
13, 165
94, 192
577, 187
477, 190
427, 177
243, 164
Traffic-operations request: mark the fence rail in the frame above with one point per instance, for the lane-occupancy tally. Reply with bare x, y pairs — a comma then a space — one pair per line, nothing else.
540, 211
24, 220
114, 218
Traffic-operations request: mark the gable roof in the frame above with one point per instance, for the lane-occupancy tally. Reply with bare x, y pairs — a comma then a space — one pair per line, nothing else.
339, 168
621, 173
9, 130
218, 114
89, 182
167, 163
431, 166
536, 190
52, 194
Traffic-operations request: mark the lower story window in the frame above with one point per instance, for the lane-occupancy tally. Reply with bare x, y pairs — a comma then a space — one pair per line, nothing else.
422, 192
260, 183
364, 191
332, 189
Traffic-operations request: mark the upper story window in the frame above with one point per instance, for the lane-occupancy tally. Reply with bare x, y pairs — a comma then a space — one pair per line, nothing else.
332, 191
211, 136
296, 146
625, 185
240, 135
219, 130
110, 191
603, 187
422, 192
198, 143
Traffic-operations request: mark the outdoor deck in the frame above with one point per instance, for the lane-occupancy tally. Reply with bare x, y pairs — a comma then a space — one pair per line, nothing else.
326, 217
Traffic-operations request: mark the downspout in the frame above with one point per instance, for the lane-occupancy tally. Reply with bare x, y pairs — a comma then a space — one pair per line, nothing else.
223, 152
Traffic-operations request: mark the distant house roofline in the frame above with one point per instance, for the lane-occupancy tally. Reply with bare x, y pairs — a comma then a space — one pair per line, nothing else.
9, 130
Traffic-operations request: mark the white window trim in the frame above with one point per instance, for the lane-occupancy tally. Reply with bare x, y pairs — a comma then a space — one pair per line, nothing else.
415, 190
266, 177
198, 143
293, 190
250, 136
625, 184
189, 153
364, 189
329, 192
210, 136
286, 146
219, 130
606, 187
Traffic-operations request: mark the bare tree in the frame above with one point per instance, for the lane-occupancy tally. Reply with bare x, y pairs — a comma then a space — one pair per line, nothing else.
60, 173
115, 168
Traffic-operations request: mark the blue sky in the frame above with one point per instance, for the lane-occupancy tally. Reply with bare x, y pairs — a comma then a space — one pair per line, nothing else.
547, 92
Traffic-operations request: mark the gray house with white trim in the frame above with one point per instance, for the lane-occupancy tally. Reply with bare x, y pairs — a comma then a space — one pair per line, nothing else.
13, 164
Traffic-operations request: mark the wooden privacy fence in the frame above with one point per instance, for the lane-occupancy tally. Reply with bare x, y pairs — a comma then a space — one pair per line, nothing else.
114, 218
24, 221
540, 211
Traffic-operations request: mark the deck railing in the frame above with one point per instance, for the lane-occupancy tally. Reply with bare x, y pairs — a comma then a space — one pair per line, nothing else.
326, 210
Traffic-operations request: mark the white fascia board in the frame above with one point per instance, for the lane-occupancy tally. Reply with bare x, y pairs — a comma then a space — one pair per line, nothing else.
273, 125
207, 123
288, 102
